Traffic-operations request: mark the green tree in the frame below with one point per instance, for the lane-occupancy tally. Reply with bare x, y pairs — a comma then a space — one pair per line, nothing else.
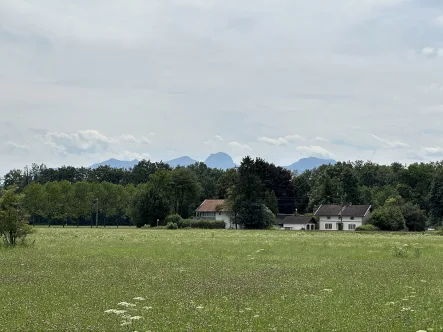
389, 217
82, 201
415, 219
153, 201
436, 197
185, 191
248, 197
13, 225
34, 201
271, 202
53, 209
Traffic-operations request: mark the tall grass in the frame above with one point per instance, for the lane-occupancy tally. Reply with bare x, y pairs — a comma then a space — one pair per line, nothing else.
217, 280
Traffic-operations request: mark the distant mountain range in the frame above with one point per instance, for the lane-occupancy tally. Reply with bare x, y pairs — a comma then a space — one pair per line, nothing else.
220, 160
309, 163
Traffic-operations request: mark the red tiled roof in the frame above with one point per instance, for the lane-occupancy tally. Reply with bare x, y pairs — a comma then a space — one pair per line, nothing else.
210, 205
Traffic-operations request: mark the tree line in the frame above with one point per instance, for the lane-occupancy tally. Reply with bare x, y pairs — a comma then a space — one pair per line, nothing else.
400, 195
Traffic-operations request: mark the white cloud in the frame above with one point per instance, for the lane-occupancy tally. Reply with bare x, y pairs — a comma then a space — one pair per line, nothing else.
130, 155
439, 20
13, 146
239, 146
130, 139
133, 139
390, 144
218, 138
83, 141
315, 151
280, 140
433, 152
321, 139
428, 51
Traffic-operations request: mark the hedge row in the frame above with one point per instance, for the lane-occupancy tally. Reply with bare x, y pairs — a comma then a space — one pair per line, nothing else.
205, 224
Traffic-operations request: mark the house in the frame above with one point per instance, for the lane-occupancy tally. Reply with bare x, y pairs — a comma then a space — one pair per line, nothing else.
298, 223
215, 209
346, 218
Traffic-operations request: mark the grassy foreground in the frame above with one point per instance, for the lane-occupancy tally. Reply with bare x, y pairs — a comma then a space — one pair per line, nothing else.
197, 280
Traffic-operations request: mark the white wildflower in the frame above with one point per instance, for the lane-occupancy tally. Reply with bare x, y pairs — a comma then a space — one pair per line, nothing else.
147, 308
256, 316
139, 299
423, 280
126, 304
390, 303
115, 311
125, 323
199, 307
136, 318
327, 290
248, 309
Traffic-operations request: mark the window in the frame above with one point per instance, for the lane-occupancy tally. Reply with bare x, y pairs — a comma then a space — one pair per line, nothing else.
351, 226
352, 218
329, 217
328, 226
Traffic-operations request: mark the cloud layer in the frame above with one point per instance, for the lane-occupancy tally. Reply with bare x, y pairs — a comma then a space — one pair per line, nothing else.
83, 81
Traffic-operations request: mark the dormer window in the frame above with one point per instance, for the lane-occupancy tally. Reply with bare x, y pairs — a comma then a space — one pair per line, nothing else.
329, 217
352, 218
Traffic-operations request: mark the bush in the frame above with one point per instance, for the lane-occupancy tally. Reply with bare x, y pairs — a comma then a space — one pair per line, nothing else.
203, 224
367, 228
172, 225
173, 218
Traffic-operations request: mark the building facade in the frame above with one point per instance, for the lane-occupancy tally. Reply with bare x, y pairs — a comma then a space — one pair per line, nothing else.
342, 218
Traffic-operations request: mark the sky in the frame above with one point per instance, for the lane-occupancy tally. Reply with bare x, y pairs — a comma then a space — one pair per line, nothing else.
84, 81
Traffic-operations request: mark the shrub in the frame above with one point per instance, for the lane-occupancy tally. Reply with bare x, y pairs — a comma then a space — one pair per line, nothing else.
173, 218
172, 225
203, 224
367, 228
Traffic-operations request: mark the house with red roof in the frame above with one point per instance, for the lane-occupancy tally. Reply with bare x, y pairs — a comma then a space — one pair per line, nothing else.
216, 209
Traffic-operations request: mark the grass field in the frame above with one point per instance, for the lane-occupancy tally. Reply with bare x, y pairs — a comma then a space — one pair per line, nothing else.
197, 280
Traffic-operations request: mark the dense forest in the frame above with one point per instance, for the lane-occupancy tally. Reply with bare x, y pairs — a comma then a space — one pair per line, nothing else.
410, 196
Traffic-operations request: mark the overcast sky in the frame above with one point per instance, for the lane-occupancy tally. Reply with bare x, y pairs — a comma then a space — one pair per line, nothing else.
83, 81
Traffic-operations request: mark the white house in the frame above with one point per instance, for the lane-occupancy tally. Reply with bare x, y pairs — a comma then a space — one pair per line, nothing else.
215, 209
298, 223
346, 218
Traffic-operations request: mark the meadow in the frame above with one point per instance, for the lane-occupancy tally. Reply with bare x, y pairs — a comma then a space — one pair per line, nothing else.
82, 279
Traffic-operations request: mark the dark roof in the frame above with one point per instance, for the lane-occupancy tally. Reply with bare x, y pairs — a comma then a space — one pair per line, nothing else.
346, 211
281, 216
210, 205
299, 220
328, 210
355, 210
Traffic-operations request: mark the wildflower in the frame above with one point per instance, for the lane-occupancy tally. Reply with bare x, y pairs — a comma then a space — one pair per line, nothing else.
256, 316
125, 323
136, 318
248, 309
126, 304
199, 307
423, 281
147, 308
390, 303
115, 311
327, 290
139, 299
422, 331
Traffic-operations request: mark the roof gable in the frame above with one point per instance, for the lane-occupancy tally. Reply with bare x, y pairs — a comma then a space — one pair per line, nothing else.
355, 210
344, 211
212, 205
328, 210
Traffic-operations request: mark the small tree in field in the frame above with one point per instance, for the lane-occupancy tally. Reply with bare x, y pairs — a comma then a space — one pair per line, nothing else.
13, 225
